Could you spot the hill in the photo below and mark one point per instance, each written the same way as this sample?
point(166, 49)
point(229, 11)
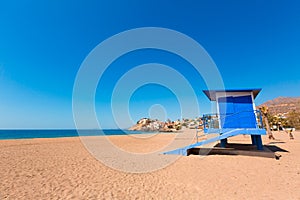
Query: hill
point(283, 105)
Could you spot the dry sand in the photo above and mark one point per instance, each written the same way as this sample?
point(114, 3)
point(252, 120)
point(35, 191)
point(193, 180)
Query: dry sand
point(64, 169)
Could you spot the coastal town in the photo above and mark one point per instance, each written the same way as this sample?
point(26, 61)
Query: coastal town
point(147, 124)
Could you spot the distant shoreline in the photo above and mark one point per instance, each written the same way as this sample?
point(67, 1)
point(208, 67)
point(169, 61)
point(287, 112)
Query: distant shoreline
point(11, 134)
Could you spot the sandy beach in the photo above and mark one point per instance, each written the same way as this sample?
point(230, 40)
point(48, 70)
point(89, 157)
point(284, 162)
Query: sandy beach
point(63, 168)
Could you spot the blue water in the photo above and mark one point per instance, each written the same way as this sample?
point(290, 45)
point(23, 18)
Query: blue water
point(26, 134)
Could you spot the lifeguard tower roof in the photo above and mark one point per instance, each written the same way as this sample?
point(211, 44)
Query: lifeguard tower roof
point(211, 94)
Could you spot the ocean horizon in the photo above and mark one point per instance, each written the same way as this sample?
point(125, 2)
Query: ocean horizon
point(10, 134)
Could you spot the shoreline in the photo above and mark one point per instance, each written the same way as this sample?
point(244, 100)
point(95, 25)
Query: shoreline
point(118, 132)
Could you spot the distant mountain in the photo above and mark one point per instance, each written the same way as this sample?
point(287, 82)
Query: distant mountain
point(283, 105)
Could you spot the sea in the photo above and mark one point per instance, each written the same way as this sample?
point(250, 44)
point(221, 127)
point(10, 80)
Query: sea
point(29, 134)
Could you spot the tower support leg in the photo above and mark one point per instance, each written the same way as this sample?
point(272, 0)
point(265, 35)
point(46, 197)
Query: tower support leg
point(259, 144)
point(224, 143)
point(256, 140)
point(253, 139)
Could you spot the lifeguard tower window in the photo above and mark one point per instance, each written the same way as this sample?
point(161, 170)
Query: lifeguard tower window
point(236, 112)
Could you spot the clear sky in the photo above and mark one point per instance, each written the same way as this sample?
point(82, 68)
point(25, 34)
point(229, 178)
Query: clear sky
point(255, 44)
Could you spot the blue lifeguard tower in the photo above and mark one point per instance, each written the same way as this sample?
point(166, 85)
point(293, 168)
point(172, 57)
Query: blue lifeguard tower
point(236, 115)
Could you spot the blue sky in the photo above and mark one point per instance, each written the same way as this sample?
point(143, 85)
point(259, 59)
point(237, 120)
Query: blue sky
point(255, 44)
